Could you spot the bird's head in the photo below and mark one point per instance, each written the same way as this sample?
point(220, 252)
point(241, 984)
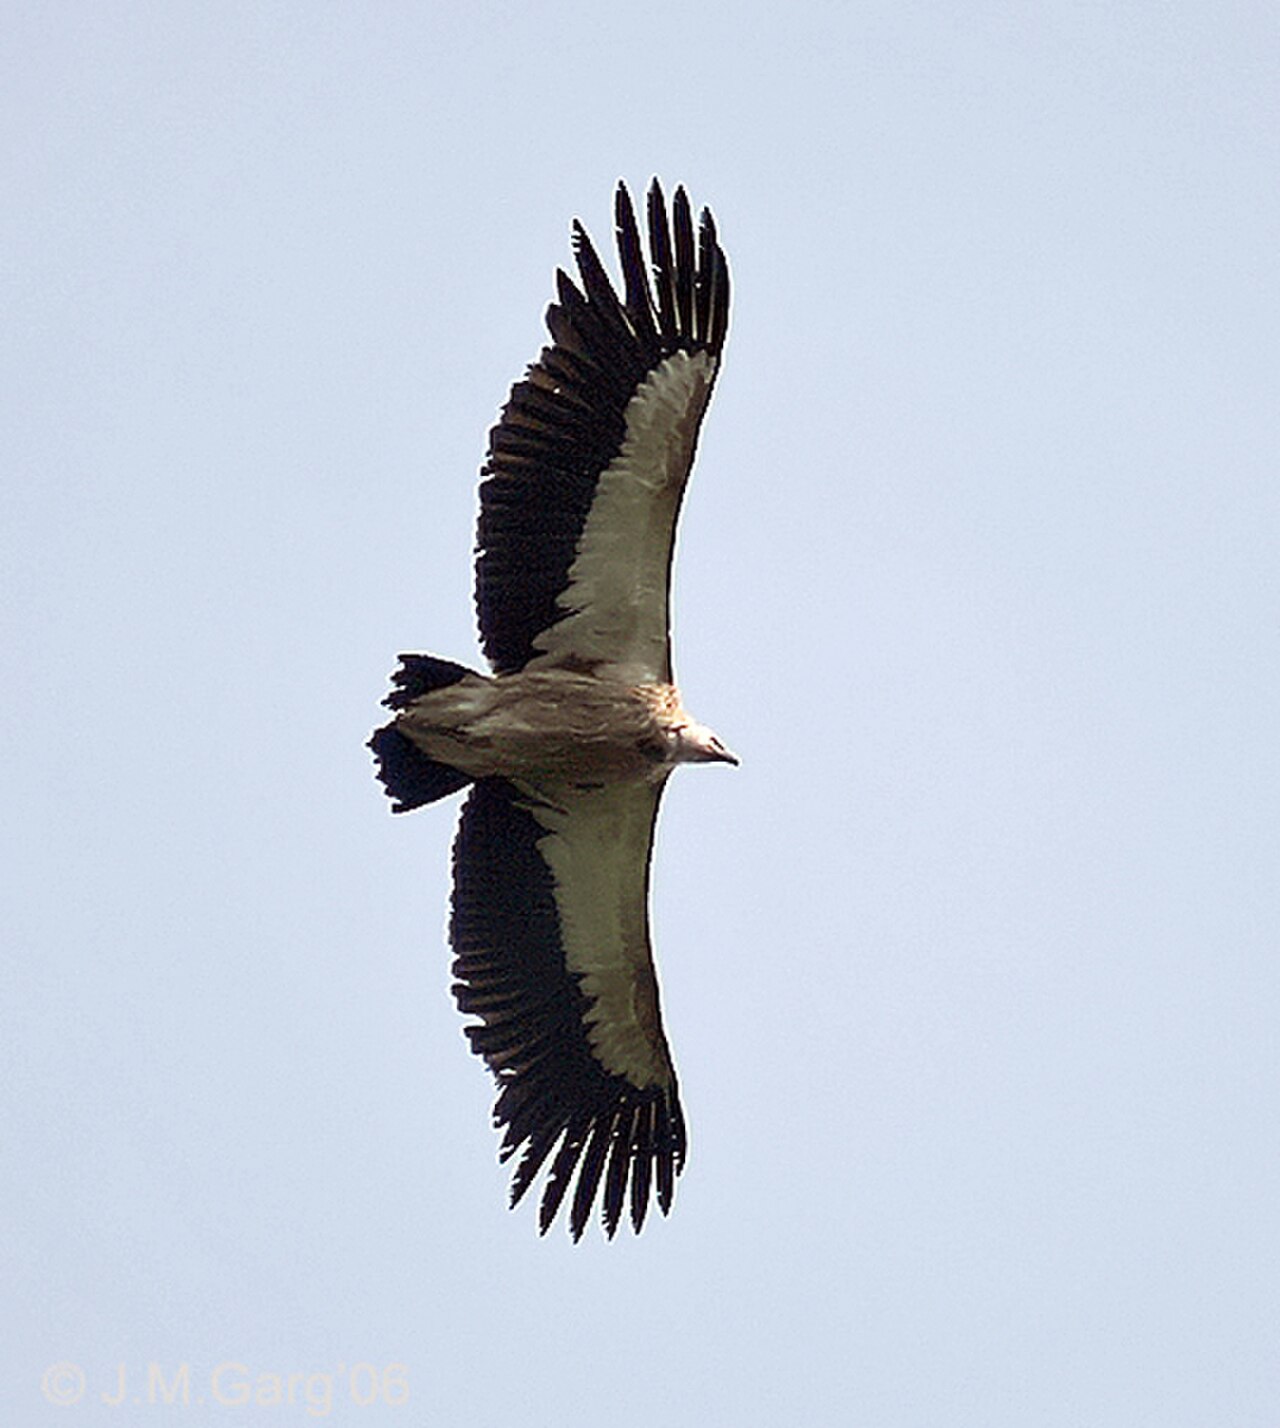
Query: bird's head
point(696, 744)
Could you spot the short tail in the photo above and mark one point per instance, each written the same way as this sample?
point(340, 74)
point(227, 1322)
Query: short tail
point(410, 778)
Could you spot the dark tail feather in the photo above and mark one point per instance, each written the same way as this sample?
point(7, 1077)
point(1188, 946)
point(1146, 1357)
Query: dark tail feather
point(409, 776)
point(420, 674)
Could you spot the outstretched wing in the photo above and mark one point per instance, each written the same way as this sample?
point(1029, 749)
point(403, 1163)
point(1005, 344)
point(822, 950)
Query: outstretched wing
point(550, 927)
point(588, 463)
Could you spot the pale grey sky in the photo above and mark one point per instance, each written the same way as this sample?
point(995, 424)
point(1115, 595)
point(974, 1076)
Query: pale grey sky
point(971, 968)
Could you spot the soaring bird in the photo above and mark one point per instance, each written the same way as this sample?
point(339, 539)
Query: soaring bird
point(568, 745)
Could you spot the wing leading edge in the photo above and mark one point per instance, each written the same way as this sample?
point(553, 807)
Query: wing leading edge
point(588, 463)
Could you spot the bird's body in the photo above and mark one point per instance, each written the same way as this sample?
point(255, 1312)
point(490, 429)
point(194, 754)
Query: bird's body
point(552, 727)
point(568, 745)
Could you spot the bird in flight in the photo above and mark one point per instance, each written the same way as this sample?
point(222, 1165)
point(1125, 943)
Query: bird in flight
point(568, 745)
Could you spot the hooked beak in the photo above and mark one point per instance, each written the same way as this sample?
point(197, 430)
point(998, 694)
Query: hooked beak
point(698, 745)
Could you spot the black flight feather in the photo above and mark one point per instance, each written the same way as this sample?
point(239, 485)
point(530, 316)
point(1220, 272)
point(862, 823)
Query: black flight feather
point(548, 450)
point(554, 1098)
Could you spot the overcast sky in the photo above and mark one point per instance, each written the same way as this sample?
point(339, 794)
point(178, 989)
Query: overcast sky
point(970, 970)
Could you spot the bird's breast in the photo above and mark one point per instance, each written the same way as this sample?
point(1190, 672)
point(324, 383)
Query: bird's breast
point(556, 726)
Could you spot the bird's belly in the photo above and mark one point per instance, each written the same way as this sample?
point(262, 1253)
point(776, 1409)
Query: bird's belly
point(552, 727)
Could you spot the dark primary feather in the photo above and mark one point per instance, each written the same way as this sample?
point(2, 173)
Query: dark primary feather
point(555, 1100)
point(563, 424)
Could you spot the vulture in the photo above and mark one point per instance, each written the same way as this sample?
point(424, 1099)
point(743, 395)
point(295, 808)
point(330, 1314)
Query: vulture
point(566, 747)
